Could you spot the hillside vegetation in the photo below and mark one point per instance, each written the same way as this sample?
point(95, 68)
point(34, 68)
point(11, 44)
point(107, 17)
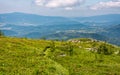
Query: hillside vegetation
point(21, 56)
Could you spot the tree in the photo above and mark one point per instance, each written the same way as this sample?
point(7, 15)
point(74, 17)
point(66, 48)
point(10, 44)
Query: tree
point(1, 33)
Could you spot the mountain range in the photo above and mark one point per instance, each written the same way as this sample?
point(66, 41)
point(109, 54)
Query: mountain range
point(101, 27)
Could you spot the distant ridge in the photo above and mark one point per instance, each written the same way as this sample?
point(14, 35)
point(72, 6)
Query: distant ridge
point(100, 18)
point(22, 18)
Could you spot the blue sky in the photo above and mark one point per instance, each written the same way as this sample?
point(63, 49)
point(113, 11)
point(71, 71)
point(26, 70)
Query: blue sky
point(69, 8)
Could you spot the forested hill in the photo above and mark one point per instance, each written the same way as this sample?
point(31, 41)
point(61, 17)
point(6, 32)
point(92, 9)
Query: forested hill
point(21, 56)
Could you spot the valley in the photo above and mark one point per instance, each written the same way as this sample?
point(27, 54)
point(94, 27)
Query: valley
point(103, 27)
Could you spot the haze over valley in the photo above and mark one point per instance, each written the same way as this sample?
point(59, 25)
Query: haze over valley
point(102, 27)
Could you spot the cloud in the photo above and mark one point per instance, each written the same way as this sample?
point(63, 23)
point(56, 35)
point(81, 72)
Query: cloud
point(104, 5)
point(68, 8)
point(66, 4)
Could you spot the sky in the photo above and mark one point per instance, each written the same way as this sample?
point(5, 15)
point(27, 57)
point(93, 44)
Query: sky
point(68, 8)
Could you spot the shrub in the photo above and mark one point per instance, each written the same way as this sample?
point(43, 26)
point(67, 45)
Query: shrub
point(104, 49)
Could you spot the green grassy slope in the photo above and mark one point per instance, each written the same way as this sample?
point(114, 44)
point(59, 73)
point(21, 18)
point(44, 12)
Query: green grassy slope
point(20, 56)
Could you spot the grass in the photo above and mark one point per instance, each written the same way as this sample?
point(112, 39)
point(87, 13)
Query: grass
point(21, 56)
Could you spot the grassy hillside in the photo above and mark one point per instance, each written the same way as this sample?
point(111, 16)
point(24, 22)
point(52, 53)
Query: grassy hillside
point(21, 56)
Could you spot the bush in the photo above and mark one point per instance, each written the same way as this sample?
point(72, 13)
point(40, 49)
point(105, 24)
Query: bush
point(104, 49)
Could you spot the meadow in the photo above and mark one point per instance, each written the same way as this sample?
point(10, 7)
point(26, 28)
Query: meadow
point(22, 56)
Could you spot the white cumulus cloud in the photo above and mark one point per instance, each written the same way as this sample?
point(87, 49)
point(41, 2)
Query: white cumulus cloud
point(109, 4)
point(67, 4)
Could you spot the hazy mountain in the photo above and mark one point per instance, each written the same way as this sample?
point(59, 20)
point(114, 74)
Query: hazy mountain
point(107, 19)
point(32, 19)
